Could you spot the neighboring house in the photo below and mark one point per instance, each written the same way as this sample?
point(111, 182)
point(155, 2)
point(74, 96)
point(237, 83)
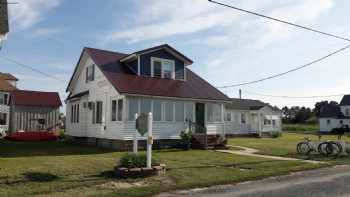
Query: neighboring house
point(251, 117)
point(108, 88)
point(34, 111)
point(332, 116)
point(7, 85)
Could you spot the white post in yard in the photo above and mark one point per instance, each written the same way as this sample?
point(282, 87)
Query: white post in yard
point(135, 136)
point(149, 140)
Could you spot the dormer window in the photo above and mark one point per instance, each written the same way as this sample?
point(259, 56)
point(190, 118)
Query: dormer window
point(163, 68)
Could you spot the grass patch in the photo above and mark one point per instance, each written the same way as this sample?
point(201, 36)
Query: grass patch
point(286, 146)
point(301, 128)
point(60, 169)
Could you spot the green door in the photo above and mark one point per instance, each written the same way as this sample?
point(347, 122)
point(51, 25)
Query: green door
point(200, 114)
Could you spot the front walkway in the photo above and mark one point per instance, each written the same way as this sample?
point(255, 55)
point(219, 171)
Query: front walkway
point(254, 153)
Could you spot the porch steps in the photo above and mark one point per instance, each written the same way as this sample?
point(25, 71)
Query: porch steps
point(202, 141)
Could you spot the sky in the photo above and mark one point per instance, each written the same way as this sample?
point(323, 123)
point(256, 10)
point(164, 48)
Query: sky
point(227, 47)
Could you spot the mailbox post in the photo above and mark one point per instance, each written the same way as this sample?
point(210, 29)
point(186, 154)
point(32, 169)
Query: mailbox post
point(149, 140)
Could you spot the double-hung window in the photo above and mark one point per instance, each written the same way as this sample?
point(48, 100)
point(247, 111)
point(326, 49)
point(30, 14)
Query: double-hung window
point(90, 73)
point(99, 111)
point(163, 68)
point(3, 98)
point(3, 119)
point(117, 110)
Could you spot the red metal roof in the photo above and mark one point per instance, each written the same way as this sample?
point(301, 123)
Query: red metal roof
point(7, 76)
point(126, 82)
point(35, 98)
point(6, 86)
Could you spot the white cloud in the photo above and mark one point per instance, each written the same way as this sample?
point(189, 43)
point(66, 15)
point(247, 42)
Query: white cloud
point(27, 13)
point(303, 12)
point(174, 17)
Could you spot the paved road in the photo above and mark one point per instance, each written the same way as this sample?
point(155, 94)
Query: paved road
point(327, 182)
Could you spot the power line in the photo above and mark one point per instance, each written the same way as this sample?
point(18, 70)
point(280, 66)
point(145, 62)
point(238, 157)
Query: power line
point(32, 69)
point(289, 71)
point(280, 21)
point(295, 97)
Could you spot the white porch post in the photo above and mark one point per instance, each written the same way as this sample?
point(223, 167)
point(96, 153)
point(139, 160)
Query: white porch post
point(259, 127)
point(223, 120)
point(149, 141)
point(135, 137)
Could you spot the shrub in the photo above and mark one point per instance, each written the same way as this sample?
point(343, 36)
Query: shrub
point(135, 160)
point(186, 138)
point(276, 134)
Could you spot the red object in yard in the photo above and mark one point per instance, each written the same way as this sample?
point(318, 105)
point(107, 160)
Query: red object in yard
point(32, 136)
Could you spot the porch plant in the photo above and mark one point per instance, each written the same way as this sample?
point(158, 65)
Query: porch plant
point(186, 137)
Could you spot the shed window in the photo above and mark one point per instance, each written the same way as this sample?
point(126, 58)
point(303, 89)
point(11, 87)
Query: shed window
point(3, 119)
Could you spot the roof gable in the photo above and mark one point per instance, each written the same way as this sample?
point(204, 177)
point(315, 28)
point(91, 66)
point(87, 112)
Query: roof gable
point(125, 81)
point(345, 100)
point(35, 98)
point(165, 47)
point(6, 86)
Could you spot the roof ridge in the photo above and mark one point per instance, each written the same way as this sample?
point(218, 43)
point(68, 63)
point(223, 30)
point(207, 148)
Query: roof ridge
point(104, 50)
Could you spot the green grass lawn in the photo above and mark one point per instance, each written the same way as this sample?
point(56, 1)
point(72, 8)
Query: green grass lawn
point(300, 128)
point(60, 169)
point(286, 146)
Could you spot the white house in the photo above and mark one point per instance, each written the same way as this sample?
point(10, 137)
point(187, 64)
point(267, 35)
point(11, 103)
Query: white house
point(333, 117)
point(108, 88)
point(251, 117)
point(8, 84)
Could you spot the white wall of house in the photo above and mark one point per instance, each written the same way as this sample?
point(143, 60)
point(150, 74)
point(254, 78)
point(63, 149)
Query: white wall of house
point(235, 125)
point(345, 110)
point(328, 124)
point(263, 120)
point(4, 109)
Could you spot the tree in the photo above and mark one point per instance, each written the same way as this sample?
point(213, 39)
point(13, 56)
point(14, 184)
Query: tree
point(319, 105)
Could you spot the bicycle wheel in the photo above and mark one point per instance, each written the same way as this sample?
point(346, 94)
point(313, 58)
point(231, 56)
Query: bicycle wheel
point(334, 148)
point(323, 149)
point(303, 148)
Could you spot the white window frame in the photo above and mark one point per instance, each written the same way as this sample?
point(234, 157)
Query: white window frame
point(117, 99)
point(92, 69)
point(3, 98)
point(162, 60)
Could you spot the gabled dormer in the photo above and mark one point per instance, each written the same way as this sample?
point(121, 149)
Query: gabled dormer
point(159, 62)
point(345, 105)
